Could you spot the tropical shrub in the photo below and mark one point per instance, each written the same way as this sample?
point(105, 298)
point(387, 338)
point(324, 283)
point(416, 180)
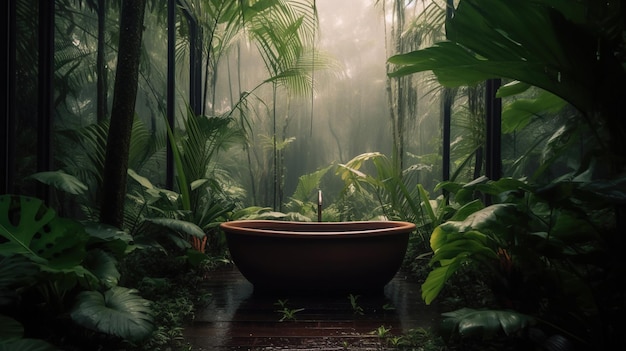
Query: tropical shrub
point(551, 248)
point(544, 251)
point(372, 178)
point(59, 280)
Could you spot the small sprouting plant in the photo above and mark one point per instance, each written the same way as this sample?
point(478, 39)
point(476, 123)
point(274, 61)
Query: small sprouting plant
point(382, 332)
point(395, 341)
point(356, 308)
point(287, 312)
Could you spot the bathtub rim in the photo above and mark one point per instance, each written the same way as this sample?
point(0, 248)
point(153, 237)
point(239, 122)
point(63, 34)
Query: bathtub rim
point(294, 229)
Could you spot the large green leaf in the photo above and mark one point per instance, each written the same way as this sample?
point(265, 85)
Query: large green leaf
point(119, 311)
point(466, 210)
point(103, 266)
point(462, 241)
point(115, 240)
point(440, 238)
point(29, 228)
point(437, 278)
point(308, 183)
point(518, 114)
point(494, 220)
point(145, 182)
point(21, 219)
point(485, 323)
point(462, 247)
point(529, 41)
point(66, 279)
point(61, 181)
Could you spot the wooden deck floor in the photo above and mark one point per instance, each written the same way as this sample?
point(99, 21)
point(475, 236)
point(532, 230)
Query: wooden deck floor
point(239, 319)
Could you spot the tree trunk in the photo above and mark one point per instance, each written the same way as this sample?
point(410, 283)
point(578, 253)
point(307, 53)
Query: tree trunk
point(122, 113)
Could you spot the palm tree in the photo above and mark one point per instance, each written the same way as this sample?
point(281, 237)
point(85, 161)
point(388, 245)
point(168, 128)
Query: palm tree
point(283, 39)
point(283, 32)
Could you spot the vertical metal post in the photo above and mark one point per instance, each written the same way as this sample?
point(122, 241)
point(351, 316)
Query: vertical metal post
point(446, 113)
point(171, 88)
point(7, 126)
point(195, 63)
point(446, 123)
point(193, 40)
point(45, 93)
point(494, 130)
point(195, 66)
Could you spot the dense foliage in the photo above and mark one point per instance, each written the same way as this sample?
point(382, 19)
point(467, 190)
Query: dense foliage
point(548, 247)
point(530, 261)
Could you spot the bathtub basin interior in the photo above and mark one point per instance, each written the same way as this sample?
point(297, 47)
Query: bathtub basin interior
point(354, 257)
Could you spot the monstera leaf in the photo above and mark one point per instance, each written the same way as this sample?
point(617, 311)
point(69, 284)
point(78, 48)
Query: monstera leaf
point(29, 228)
point(118, 311)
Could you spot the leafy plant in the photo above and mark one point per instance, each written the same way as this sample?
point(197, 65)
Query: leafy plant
point(202, 200)
point(304, 199)
point(177, 288)
point(118, 311)
point(544, 248)
point(81, 158)
point(288, 314)
point(532, 45)
point(354, 302)
point(387, 185)
point(53, 266)
point(382, 332)
point(533, 247)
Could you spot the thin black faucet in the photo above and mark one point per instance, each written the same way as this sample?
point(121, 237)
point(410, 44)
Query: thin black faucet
point(319, 205)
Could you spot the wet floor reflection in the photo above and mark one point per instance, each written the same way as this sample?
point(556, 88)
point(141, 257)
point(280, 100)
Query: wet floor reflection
point(240, 319)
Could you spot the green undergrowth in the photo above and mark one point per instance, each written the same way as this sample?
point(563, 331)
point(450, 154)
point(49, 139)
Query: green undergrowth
point(177, 290)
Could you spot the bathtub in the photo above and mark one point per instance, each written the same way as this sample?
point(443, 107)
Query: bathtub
point(319, 257)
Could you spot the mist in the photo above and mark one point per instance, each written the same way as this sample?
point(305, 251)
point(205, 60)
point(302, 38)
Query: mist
point(347, 113)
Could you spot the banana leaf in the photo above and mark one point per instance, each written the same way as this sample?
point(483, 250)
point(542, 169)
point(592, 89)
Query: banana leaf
point(535, 42)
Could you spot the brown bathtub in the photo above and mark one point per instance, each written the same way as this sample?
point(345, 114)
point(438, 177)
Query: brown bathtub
point(352, 257)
